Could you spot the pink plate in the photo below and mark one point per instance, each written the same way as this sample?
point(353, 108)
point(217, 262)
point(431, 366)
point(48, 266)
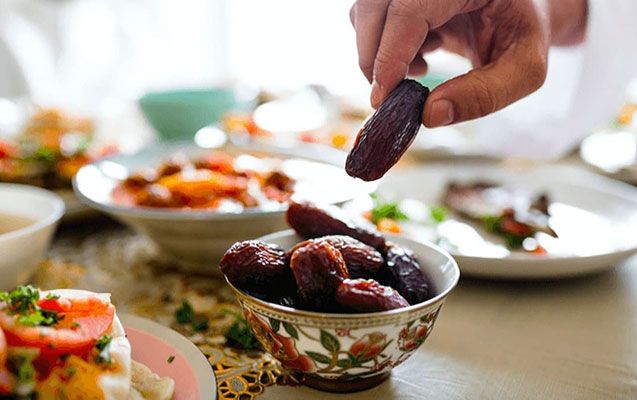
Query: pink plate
point(154, 345)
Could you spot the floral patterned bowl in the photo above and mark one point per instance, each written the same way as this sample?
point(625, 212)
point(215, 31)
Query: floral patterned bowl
point(349, 352)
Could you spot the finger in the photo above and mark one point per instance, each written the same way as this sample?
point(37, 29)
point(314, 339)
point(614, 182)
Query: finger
point(519, 71)
point(407, 24)
point(368, 18)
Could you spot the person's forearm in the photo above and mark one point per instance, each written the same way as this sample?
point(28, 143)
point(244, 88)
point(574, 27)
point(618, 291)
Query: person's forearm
point(568, 21)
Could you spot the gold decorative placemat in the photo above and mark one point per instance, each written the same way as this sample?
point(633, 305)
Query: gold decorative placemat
point(144, 283)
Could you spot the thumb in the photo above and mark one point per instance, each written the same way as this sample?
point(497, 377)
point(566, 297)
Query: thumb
point(518, 72)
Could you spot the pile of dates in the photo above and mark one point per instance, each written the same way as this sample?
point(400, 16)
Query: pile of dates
point(343, 266)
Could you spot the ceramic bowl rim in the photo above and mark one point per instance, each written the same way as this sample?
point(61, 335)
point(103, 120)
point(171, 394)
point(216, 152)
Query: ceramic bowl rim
point(294, 312)
point(54, 216)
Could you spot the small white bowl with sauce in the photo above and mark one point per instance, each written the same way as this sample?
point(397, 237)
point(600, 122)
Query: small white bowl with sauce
point(28, 219)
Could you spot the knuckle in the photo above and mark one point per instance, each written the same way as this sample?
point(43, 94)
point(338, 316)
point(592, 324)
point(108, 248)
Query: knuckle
point(537, 71)
point(406, 8)
point(485, 100)
point(369, 6)
point(387, 62)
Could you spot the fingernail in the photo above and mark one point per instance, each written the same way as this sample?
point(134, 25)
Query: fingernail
point(376, 94)
point(441, 113)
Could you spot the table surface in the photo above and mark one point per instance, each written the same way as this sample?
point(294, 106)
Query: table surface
point(571, 339)
point(574, 339)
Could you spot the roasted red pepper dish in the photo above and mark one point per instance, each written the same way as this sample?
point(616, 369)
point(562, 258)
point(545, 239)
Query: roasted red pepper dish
point(50, 150)
point(218, 181)
point(500, 211)
point(510, 216)
point(342, 267)
point(68, 344)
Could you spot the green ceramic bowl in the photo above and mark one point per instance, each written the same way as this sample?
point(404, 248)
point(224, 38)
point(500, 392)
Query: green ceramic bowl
point(179, 114)
point(432, 80)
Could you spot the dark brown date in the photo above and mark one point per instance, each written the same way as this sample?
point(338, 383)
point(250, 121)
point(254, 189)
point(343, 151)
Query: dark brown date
point(362, 261)
point(311, 222)
point(403, 273)
point(367, 295)
point(253, 263)
point(388, 133)
point(318, 270)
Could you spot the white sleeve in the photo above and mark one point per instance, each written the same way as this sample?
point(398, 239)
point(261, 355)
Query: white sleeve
point(585, 88)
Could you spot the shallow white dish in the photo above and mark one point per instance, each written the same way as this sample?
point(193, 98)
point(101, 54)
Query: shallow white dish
point(154, 345)
point(22, 249)
point(198, 238)
point(609, 205)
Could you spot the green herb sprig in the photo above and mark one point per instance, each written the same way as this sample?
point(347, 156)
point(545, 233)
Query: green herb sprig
point(23, 302)
point(185, 315)
point(103, 346)
point(386, 209)
point(240, 335)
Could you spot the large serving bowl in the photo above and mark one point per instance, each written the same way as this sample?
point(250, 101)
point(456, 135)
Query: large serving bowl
point(197, 239)
point(23, 248)
point(349, 352)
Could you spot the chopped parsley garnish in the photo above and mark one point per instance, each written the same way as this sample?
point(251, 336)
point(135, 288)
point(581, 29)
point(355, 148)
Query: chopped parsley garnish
point(23, 302)
point(240, 335)
point(492, 224)
point(70, 371)
point(52, 296)
point(386, 209)
point(171, 359)
point(44, 154)
point(103, 346)
point(438, 213)
point(185, 315)
point(21, 365)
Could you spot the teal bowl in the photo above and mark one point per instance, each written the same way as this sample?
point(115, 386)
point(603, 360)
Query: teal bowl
point(432, 80)
point(179, 114)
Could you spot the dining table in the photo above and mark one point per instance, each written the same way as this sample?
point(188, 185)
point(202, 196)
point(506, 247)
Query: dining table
point(542, 339)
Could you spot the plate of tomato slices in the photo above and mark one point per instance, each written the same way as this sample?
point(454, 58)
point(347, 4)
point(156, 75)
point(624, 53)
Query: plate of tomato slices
point(71, 344)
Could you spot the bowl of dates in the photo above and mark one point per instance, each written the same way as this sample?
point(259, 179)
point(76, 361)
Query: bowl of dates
point(194, 202)
point(335, 301)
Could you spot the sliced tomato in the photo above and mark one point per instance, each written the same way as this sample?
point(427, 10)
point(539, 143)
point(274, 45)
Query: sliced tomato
point(83, 321)
point(7, 381)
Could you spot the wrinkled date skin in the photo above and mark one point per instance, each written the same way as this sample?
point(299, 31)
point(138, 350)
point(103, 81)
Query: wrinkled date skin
point(388, 133)
point(367, 295)
point(311, 222)
point(318, 270)
point(403, 273)
point(362, 261)
point(252, 263)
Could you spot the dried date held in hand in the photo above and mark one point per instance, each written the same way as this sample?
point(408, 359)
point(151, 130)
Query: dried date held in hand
point(362, 261)
point(310, 221)
point(367, 295)
point(388, 133)
point(318, 270)
point(252, 263)
point(404, 274)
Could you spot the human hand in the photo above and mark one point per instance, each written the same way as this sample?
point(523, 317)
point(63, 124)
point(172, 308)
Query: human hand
point(506, 40)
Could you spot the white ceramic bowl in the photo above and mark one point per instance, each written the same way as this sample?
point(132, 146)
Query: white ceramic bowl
point(197, 239)
point(22, 249)
point(350, 352)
